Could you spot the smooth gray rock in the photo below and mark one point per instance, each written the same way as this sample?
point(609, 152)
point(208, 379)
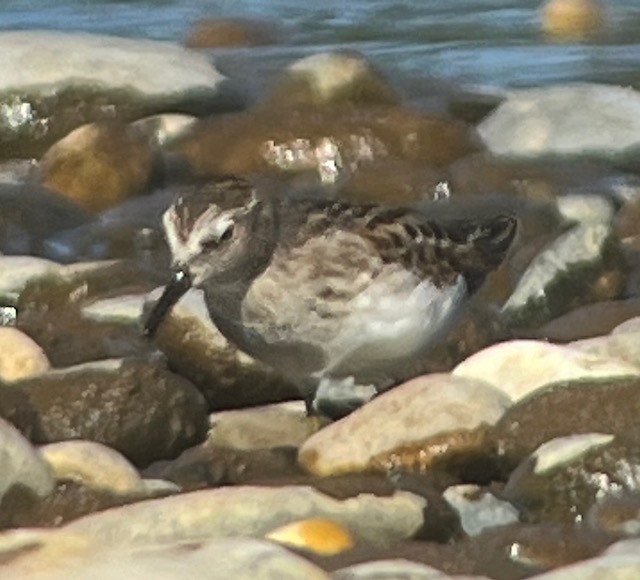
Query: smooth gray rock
point(251, 511)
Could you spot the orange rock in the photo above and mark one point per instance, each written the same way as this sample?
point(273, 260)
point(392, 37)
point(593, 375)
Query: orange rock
point(214, 33)
point(572, 19)
point(99, 165)
point(316, 535)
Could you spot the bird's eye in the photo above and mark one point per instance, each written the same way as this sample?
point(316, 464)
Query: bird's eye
point(209, 244)
point(226, 235)
point(212, 243)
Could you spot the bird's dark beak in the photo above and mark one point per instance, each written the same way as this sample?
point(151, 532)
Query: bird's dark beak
point(177, 287)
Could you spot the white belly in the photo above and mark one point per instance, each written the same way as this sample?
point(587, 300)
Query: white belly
point(390, 322)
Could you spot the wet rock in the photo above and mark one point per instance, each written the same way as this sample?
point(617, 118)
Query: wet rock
point(575, 269)
point(608, 406)
point(521, 367)
point(216, 33)
point(134, 406)
point(30, 214)
point(25, 475)
point(616, 514)
point(226, 376)
point(479, 509)
point(279, 425)
point(543, 122)
point(392, 182)
point(93, 465)
point(209, 465)
point(50, 311)
point(129, 231)
point(20, 356)
point(45, 94)
point(513, 551)
point(589, 321)
point(610, 566)
point(522, 550)
point(67, 502)
point(316, 535)
point(429, 407)
point(99, 165)
point(331, 78)
point(331, 143)
point(565, 477)
point(251, 511)
point(572, 20)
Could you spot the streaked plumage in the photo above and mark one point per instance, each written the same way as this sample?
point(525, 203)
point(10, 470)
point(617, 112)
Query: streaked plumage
point(324, 289)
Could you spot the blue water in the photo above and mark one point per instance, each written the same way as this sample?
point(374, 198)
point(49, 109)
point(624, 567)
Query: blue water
point(489, 43)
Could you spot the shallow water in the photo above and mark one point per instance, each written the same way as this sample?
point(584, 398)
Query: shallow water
point(488, 43)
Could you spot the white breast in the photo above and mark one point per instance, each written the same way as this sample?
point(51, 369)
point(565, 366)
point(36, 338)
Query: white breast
point(393, 319)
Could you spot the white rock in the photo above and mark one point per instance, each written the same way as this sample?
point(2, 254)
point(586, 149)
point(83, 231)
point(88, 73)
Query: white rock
point(479, 510)
point(125, 309)
point(564, 450)
point(585, 208)
point(421, 408)
point(519, 367)
point(20, 356)
point(44, 60)
point(92, 464)
point(250, 511)
point(576, 119)
point(568, 265)
point(21, 464)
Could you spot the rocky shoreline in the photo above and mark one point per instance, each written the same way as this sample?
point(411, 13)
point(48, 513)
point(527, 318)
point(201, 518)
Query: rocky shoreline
point(512, 454)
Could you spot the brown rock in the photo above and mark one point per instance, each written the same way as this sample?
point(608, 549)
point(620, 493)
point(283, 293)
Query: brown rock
point(568, 476)
point(99, 165)
point(49, 310)
point(589, 321)
point(209, 465)
point(216, 33)
point(331, 78)
point(514, 551)
point(29, 214)
point(67, 502)
point(569, 408)
point(440, 407)
point(616, 514)
point(134, 406)
point(328, 142)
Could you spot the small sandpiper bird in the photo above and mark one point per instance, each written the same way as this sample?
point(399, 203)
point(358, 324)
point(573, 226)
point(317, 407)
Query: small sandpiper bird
point(336, 296)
